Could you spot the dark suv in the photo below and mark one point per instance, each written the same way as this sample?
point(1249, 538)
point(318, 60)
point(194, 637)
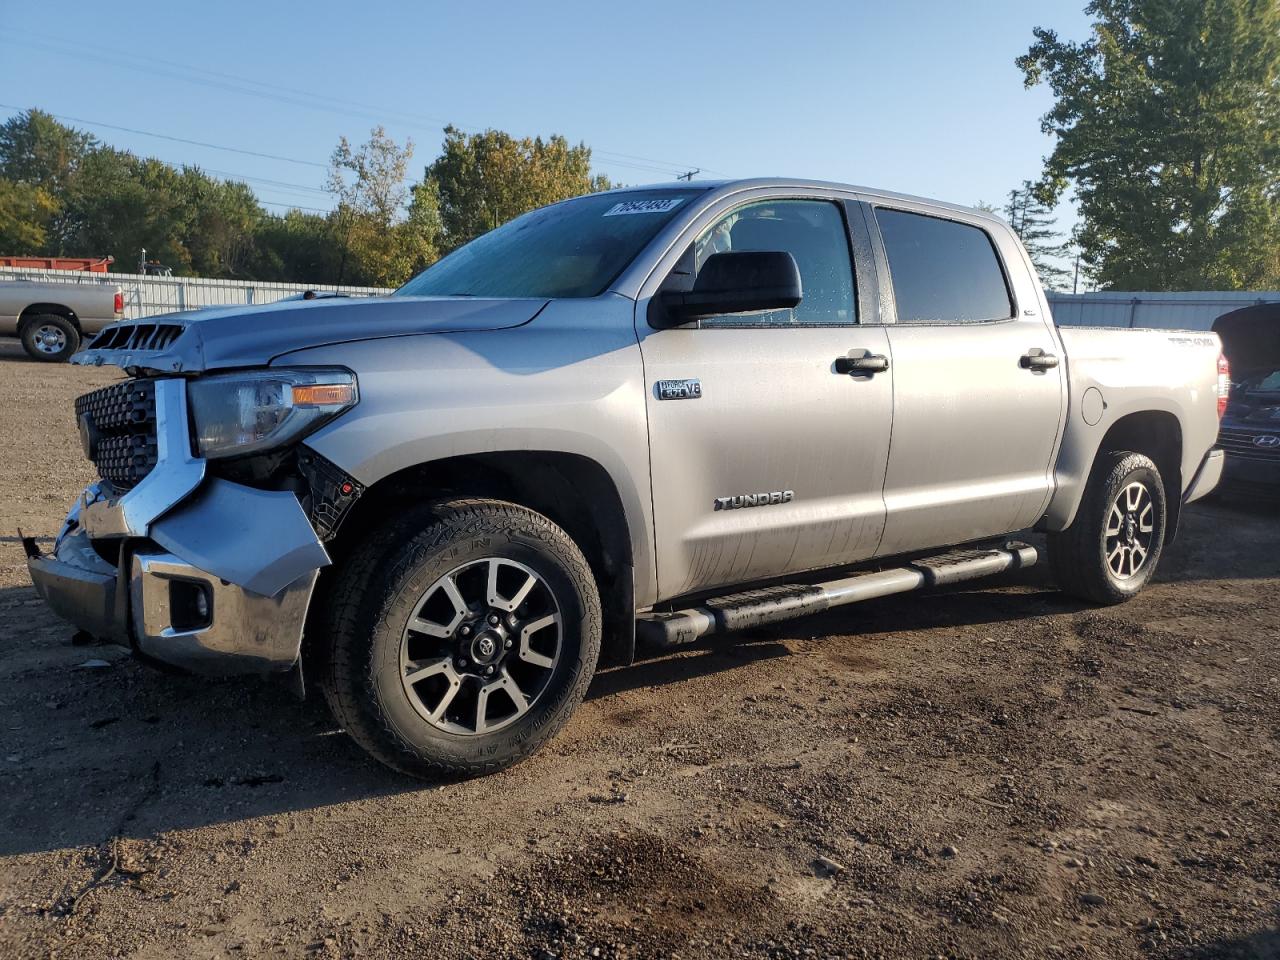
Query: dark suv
point(1250, 432)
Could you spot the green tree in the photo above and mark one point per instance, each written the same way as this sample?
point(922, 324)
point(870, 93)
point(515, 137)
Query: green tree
point(419, 242)
point(121, 204)
point(1167, 126)
point(35, 148)
point(64, 192)
point(369, 221)
point(1032, 220)
point(38, 151)
point(221, 223)
point(25, 212)
point(296, 248)
point(485, 179)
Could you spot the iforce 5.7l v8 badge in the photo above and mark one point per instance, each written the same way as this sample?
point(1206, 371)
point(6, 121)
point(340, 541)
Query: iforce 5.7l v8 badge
point(679, 389)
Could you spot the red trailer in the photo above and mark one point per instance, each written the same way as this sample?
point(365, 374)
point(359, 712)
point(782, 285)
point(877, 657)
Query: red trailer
point(91, 264)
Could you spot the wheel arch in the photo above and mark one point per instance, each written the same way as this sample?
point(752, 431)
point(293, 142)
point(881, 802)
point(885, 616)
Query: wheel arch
point(1156, 434)
point(574, 491)
point(31, 311)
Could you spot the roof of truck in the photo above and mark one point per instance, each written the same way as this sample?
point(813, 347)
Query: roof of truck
point(731, 186)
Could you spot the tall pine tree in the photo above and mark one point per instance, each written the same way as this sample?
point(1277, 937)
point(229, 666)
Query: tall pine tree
point(1032, 220)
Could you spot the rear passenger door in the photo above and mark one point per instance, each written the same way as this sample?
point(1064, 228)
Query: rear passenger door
point(978, 399)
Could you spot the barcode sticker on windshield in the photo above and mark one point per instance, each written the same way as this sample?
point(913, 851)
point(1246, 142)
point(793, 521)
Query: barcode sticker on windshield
point(627, 207)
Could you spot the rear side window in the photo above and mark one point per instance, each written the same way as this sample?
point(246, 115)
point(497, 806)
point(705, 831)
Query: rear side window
point(943, 271)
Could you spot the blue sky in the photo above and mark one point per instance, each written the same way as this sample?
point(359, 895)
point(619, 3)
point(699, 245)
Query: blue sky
point(921, 97)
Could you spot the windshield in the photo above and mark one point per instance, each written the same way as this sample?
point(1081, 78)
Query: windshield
point(571, 249)
point(1258, 380)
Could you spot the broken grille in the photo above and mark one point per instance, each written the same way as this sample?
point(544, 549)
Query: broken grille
point(118, 431)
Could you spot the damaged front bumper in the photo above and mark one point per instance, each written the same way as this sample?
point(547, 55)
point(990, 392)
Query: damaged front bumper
point(192, 570)
point(170, 610)
point(221, 586)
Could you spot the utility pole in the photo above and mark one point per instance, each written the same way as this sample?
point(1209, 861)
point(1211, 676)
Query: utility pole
point(688, 174)
point(1075, 283)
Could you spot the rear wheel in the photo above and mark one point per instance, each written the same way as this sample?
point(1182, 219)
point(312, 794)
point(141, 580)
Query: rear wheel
point(1111, 549)
point(50, 337)
point(461, 638)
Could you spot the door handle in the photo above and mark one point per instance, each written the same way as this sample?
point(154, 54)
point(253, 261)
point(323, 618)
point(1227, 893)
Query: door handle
point(1037, 359)
point(867, 366)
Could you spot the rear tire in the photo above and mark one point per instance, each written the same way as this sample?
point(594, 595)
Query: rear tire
point(420, 599)
point(50, 338)
point(1111, 550)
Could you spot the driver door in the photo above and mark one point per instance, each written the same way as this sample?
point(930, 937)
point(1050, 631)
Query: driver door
point(774, 463)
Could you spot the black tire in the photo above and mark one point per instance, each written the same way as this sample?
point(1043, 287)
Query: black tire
point(389, 581)
point(50, 338)
point(1084, 558)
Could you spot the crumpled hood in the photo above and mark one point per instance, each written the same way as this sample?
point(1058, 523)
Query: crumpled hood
point(220, 338)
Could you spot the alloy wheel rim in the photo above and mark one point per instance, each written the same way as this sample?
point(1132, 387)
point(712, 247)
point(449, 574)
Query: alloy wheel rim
point(49, 339)
point(481, 646)
point(1130, 531)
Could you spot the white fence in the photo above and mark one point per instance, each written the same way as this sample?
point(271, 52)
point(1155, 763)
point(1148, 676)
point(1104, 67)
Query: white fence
point(146, 296)
point(1193, 310)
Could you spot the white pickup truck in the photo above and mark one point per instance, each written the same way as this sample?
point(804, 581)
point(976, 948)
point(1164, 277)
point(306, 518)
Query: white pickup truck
point(51, 318)
point(662, 412)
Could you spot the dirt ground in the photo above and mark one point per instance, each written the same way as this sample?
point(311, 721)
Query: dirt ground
point(990, 771)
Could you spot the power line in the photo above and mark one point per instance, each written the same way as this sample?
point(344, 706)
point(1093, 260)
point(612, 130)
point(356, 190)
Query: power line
point(212, 146)
point(163, 136)
point(291, 206)
point(231, 175)
point(291, 95)
point(225, 174)
point(228, 175)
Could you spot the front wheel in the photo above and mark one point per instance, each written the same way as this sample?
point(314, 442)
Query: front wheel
point(50, 337)
point(461, 637)
point(1111, 549)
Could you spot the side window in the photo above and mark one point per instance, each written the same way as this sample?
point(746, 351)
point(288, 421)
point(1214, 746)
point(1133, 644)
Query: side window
point(812, 231)
point(943, 271)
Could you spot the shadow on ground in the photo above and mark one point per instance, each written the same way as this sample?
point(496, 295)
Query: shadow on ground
point(1263, 945)
point(89, 752)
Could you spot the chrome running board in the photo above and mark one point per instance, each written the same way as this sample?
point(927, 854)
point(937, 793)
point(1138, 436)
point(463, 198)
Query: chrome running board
point(741, 611)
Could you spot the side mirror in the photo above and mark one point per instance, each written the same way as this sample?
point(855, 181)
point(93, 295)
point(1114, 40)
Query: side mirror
point(743, 282)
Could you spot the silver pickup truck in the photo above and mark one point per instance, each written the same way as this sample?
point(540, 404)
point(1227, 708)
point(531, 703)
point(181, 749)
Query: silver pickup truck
point(51, 318)
point(655, 413)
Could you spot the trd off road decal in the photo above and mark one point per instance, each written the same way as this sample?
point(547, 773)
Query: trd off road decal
point(627, 207)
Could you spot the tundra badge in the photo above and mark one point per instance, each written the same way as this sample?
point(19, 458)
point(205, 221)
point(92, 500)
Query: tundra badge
point(755, 500)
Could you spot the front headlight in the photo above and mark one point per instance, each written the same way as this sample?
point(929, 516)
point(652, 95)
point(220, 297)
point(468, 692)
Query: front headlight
point(241, 413)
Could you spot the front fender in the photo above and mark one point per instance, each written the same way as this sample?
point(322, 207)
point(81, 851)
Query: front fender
point(570, 382)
